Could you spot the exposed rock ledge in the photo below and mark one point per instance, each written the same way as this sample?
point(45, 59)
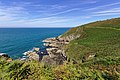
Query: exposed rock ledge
point(54, 48)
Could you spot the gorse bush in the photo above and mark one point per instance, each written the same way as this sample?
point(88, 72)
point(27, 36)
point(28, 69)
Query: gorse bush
point(75, 72)
point(35, 71)
point(15, 70)
point(39, 71)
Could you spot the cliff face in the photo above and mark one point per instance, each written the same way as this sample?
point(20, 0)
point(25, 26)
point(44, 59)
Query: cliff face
point(73, 33)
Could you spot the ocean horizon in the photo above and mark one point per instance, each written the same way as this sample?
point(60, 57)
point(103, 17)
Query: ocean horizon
point(16, 41)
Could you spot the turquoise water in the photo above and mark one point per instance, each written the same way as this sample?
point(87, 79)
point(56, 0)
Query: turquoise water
point(15, 41)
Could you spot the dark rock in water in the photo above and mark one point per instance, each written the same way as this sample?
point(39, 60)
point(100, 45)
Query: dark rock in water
point(5, 57)
point(34, 54)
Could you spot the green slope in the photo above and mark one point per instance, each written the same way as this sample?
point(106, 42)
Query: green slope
point(101, 38)
point(99, 45)
point(110, 23)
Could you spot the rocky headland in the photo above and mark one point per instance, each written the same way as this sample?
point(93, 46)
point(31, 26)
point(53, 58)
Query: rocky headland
point(87, 52)
point(54, 53)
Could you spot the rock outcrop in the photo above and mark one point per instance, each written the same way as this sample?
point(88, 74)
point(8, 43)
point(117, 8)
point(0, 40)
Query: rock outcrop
point(5, 57)
point(54, 48)
point(33, 54)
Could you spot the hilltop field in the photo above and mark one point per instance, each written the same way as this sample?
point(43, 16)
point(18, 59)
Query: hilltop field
point(92, 54)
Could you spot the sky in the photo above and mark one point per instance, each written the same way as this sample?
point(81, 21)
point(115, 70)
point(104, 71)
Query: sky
point(55, 13)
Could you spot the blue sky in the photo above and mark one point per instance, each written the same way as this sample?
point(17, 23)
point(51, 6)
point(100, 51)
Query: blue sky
point(55, 13)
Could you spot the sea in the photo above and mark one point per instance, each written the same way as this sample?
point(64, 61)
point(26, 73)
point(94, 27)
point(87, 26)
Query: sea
point(16, 41)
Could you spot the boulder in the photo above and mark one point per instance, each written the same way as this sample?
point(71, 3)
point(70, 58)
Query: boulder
point(37, 49)
point(34, 56)
point(4, 55)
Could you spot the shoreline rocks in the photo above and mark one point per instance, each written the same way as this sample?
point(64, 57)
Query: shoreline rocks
point(5, 57)
point(34, 54)
point(54, 48)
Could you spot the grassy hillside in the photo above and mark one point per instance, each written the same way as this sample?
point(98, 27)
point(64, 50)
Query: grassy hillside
point(99, 46)
point(110, 23)
point(99, 42)
point(96, 51)
point(101, 38)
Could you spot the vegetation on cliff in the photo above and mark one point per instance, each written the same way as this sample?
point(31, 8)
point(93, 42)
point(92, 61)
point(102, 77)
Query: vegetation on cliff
point(98, 46)
point(93, 54)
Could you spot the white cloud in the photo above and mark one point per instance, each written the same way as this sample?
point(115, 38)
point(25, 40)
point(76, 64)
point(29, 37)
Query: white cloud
point(105, 14)
point(18, 16)
point(9, 13)
point(44, 20)
point(21, 15)
point(103, 6)
point(113, 10)
point(51, 7)
point(89, 1)
point(66, 11)
point(41, 22)
point(108, 12)
point(13, 17)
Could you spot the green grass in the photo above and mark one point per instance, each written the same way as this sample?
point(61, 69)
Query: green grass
point(110, 23)
point(101, 39)
point(101, 42)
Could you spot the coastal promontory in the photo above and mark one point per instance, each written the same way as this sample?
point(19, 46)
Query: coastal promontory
point(87, 52)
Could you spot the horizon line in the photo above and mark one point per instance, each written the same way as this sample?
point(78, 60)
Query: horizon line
point(36, 27)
